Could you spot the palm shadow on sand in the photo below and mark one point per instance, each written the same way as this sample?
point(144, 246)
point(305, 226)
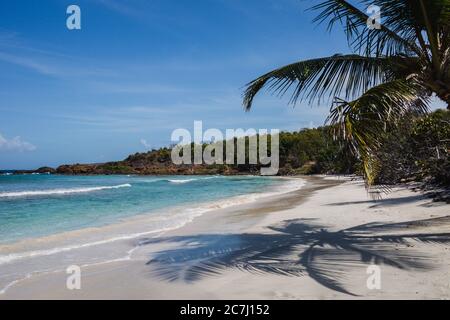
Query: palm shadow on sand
point(296, 248)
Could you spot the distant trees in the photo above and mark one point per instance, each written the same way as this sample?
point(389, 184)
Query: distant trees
point(417, 150)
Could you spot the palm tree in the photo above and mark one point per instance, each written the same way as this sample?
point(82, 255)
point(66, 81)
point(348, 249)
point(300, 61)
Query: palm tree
point(394, 69)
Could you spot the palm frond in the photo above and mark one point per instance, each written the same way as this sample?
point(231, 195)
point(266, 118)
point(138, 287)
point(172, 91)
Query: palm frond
point(363, 122)
point(443, 17)
point(350, 75)
point(383, 41)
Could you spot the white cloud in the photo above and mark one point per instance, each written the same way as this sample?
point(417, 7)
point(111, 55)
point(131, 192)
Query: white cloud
point(44, 67)
point(137, 88)
point(15, 144)
point(27, 63)
point(145, 144)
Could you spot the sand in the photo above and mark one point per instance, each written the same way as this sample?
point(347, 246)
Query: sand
point(328, 240)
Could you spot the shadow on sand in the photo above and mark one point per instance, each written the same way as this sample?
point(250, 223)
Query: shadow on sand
point(388, 202)
point(296, 248)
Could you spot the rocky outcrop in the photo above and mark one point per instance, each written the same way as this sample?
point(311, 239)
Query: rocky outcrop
point(151, 163)
point(45, 170)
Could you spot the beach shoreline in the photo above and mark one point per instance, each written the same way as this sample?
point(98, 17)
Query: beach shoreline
point(323, 203)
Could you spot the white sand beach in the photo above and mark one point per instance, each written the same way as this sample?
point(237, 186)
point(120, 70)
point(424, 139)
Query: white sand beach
point(313, 243)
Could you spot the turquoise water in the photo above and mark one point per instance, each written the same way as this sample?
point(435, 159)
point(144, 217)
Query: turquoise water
point(40, 205)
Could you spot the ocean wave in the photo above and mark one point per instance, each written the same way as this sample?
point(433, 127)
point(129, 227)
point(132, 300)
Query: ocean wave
point(178, 181)
point(190, 180)
point(174, 181)
point(31, 193)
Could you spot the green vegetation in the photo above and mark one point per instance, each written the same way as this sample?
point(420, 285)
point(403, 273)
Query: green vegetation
point(391, 75)
point(303, 152)
point(313, 151)
point(417, 150)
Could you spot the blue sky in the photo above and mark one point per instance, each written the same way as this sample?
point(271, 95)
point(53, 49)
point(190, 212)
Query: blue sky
point(138, 69)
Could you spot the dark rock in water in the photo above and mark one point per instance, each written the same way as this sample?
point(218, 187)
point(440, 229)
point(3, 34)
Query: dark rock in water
point(22, 171)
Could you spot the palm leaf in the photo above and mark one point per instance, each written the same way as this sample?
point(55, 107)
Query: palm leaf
point(362, 39)
point(348, 74)
point(363, 122)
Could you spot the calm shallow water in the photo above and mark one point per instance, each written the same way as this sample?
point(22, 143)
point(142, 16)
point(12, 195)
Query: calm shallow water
point(40, 205)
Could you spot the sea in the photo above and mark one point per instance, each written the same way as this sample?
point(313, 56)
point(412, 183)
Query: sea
point(50, 221)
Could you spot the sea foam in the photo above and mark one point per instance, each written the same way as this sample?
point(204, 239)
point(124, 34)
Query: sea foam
point(31, 193)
